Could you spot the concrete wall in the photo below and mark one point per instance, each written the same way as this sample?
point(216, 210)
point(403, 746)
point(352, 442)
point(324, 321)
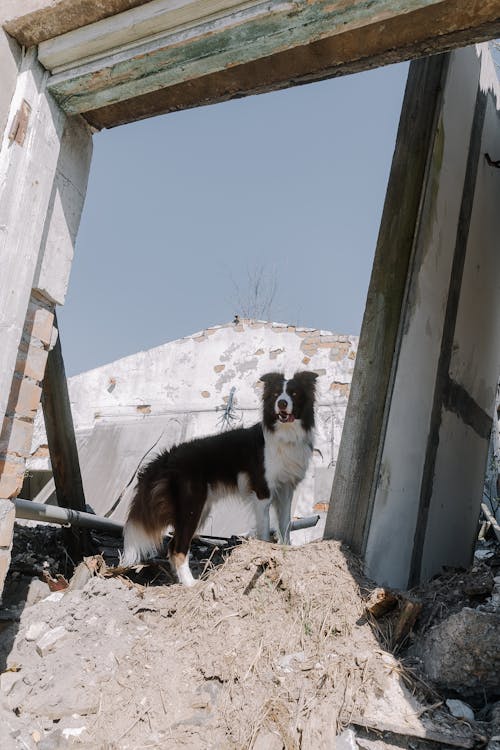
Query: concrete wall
point(44, 164)
point(10, 57)
point(474, 366)
point(425, 468)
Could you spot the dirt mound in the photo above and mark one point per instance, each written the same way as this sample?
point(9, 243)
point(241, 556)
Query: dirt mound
point(272, 647)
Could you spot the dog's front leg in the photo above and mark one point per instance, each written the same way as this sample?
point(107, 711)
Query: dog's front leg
point(263, 521)
point(283, 503)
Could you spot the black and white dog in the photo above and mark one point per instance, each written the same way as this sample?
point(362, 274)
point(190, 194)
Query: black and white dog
point(266, 461)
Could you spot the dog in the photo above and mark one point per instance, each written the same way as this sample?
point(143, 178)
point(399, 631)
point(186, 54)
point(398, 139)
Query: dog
point(264, 462)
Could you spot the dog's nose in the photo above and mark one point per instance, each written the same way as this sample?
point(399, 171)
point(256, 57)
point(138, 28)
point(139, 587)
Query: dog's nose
point(282, 404)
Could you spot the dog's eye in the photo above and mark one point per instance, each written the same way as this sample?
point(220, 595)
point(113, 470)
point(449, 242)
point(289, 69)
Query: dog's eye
point(294, 393)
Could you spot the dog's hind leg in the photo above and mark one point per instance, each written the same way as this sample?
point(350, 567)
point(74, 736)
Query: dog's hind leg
point(149, 514)
point(188, 509)
point(180, 565)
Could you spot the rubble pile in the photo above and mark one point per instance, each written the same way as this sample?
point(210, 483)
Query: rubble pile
point(274, 648)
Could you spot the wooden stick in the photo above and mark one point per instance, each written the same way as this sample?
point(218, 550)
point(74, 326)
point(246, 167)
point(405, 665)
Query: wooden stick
point(491, 518)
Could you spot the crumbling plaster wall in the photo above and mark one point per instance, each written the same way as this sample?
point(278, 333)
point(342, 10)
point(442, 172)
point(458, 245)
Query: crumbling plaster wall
point(407, 490)
point(10, 57)
point(186, 384)
point(44, 163)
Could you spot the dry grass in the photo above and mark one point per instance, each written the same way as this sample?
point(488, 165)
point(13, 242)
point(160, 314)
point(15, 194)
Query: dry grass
point(291, 622)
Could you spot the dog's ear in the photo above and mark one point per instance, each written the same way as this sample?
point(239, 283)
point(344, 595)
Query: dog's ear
point(271, 377)
point(306, 376)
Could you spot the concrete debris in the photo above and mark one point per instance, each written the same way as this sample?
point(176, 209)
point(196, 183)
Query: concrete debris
point(35, 630)
point(55, 596)
point(461, 652)
point(80, 577)
point(346, 741)
point(460, 710)
point(72, 732)
point(8, 680)
point(48, 640)
point(495, 717)
point(484, 554)
point(320, 730)
point(37, 591)
point(288, 662)
point(274, 649)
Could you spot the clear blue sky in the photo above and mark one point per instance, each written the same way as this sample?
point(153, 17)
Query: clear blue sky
point(181, 208)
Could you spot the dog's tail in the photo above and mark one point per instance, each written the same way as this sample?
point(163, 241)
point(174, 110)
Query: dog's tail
point(150, 512)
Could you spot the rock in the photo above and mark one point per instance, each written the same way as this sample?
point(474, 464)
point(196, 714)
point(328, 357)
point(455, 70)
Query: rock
point(37, 591)
point(286, 662)
point(72, 732)
point(461, 653)
point(35, 630)
point(55, 596)
point(495, 717)
point(81, 577)
point(346, 741)
point(48, 641)
point(60, 700)
point(8, 680)
point(460, 710)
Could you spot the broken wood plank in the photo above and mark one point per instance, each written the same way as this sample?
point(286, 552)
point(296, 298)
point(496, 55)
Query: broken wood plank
point(62, 443)
point(492, 520)
point(408, 613)
point(381, 601)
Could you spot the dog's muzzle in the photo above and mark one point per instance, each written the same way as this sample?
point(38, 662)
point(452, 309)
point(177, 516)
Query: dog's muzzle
point(282, 411)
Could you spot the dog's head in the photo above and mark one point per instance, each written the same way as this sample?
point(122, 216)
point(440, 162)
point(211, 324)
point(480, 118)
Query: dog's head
point(288, 400)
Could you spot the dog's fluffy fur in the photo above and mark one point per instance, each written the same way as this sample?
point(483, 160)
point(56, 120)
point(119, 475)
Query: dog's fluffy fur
point(265, 461)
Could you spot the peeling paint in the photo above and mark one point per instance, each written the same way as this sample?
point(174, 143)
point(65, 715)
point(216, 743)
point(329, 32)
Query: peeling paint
point(214, 45)
point(190, 380)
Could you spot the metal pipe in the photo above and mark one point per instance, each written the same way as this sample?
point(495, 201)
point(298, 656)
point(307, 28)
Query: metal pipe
point(303, 523)
point(29, 510)
point(65, 516)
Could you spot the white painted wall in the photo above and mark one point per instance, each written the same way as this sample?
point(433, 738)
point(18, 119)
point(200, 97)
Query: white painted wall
point(42, 189)
point(26, 179)
point(10, 59)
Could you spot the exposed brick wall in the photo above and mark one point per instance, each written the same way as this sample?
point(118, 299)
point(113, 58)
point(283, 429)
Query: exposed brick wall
point(17, 427)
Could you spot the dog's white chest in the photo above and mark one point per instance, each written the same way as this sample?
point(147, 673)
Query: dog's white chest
point(287, 453)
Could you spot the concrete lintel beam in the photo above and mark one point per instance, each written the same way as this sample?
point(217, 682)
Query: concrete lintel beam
point(298, 40)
